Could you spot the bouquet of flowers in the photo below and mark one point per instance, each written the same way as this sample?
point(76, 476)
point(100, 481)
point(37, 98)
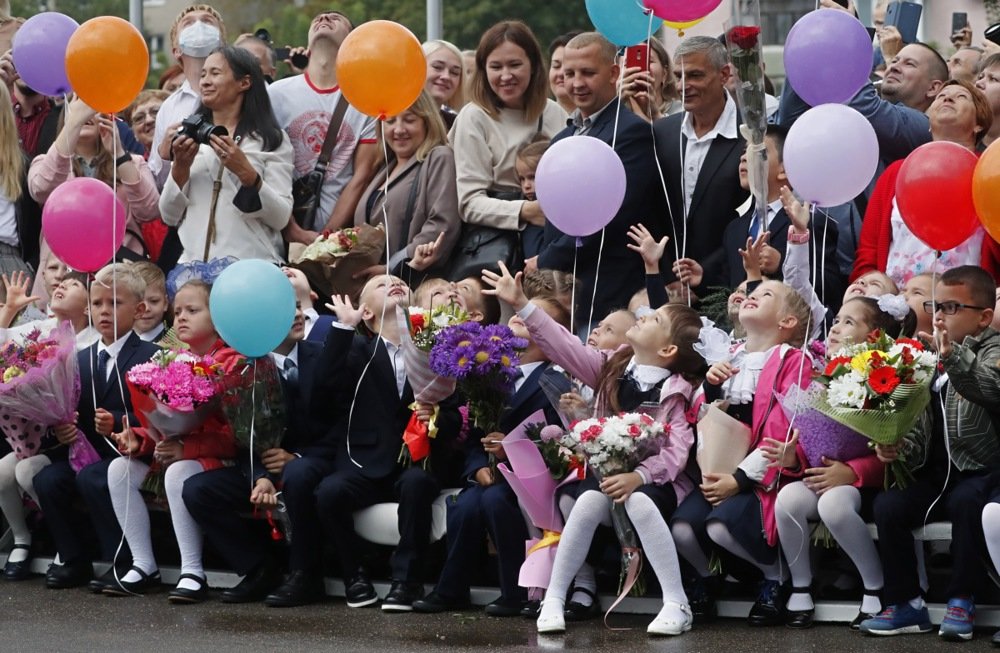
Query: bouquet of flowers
point(419, 328)
point(41, 388)
point(878, 389)
point(333, 259)
point(616, 445)
point(820, 436)
point(254, 405)
point(484, 362)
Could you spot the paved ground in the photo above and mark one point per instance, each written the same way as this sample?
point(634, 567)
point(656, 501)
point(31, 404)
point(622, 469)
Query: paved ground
point(33, 619)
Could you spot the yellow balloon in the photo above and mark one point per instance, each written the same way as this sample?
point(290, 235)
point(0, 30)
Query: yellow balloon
point(681, 26)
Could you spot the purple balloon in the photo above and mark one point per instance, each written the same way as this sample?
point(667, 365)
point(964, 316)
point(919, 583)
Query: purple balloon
point(39, 52)
point(828, 57)
point(830, 155)
point(580, 183)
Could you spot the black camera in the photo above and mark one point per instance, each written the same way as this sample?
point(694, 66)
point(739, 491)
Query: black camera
point(199, 128)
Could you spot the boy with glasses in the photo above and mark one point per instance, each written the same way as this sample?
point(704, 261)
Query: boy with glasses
point(950, 453)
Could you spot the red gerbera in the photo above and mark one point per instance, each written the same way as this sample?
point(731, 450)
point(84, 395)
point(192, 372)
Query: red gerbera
point(744, 37)
point(832, 366)
point(883, 380)
point(916, 344)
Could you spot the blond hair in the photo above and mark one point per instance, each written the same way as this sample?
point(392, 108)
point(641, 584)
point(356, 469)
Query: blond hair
point(430, 47)
point(11, 157)
point(190, 9)
point(151, 274)
point(798, 308)
point(425, 109)
point(124, 276)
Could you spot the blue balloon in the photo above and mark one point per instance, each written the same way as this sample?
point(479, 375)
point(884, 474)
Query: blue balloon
point(253, 307)
point(623, 22)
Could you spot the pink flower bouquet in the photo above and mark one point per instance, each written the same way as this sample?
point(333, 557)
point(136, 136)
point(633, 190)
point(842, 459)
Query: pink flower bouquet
point(41, 385)
point(174, 393)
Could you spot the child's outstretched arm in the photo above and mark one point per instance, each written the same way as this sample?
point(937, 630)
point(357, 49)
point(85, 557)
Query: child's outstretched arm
point(651, 252)
point(796, 268)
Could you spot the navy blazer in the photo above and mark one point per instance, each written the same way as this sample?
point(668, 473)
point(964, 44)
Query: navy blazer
point(320, 329)
point(717, 195)
point(528, 399)
point(305, 435)
point(621, 270)
point(134, 352)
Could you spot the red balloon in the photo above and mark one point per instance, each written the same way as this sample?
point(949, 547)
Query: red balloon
point(934, 194)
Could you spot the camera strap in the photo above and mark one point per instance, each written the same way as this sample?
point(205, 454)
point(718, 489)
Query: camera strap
point(331, 134)
point(216, 189)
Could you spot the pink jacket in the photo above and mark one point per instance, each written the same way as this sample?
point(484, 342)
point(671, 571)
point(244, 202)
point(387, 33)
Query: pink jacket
point(565, 349)
point(141, 199)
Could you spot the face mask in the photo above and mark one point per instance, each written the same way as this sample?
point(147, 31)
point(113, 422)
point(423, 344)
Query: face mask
point(198, 40)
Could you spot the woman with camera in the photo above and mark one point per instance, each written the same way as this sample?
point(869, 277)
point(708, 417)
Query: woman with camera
point(229, 192)
point(420, 203)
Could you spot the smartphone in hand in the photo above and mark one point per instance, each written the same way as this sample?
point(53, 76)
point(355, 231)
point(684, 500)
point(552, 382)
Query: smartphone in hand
point(637, 56)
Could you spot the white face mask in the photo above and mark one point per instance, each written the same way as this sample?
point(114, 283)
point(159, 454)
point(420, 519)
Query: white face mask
point(198, 40)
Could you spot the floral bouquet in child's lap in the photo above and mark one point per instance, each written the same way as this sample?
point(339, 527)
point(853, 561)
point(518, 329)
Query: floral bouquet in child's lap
point(254, 404)
point(617, 445)
point(41, 388)
point(418, 328)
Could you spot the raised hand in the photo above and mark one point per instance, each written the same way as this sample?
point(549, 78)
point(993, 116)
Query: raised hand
point(798, 212)
point(751, 256)
point(505, 287)
point(18, 285)
point(426, 254)
point(344, 310)
point(650, 249)
point(689, 271)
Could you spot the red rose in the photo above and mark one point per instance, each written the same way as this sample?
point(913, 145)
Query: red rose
point(874, 336)
point(832, 366)
point(907, 356)
point(744, 37)
point(877, 361)
point(883, 380)
point(634, 430)
point(417, 322)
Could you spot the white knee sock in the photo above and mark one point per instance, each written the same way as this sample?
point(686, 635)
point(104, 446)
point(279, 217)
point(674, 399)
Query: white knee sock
point(658, 546)
point(186, 529)
point(584, 578)
point(689, 548)
point(26, 470)
point(794, 507)
point(840, 509)
point(592, 509)
point(720, 534)
point(12, 506)
point(125, 475)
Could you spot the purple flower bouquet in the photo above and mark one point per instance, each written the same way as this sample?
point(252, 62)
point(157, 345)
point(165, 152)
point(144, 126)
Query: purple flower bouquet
point(819, 435)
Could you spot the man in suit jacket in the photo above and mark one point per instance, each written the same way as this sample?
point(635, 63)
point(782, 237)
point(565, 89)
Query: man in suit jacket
point(591, 73)
point(215, 498)
point(699, 151)
point(488, 504)
point(102, 367)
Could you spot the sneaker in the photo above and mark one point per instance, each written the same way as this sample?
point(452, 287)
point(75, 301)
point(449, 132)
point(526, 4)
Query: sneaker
point(360, 592)
point(957, 623)
point(996, 639)
point(401, 596)
point(899, 619)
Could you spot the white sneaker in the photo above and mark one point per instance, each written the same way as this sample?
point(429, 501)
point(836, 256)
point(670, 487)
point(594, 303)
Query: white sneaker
point(550, 618)
point(674, 619)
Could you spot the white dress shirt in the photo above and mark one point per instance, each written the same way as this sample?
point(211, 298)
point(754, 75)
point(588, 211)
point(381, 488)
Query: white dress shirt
point(698, 146)
point(181, 104)
point(113, 350)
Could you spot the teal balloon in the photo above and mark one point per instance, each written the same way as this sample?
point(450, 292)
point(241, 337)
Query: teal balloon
point(623, 22)
point(253, 306)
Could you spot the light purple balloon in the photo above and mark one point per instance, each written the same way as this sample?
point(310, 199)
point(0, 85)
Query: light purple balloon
point(830, 155)
point(39, 52)
point(580, 183)
point(828, 57)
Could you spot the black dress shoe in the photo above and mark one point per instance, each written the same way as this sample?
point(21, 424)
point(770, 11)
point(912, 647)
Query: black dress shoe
point(800, 619)
point(531, 609)
point(701, 594)
point(434, 603)
point(107, 579)
point(71, 574)
point(255, 585)
point(146, 583)
point(299, 588)
point(360, 592)
point(18, 570)
point(185, 595)
point(576, 611)
point(862, 615)
point(504, 608)
point(769, 608)
point(401, 596)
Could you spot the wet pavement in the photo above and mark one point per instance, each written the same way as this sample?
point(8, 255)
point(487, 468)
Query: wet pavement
point(34, 619)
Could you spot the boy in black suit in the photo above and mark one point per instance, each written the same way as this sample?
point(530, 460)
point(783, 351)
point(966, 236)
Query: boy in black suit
point(116, 300)
point(488, 504)
point(215, 498)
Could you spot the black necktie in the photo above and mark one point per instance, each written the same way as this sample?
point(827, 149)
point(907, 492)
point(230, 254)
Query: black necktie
point(101, 371)
point(291, 372)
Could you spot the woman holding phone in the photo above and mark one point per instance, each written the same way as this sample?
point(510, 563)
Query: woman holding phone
point(648, 85)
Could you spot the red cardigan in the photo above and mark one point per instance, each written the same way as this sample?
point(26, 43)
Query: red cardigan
point(876, 231)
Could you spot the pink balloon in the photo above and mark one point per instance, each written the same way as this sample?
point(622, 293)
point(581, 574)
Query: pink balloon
point(580, 183)
point(681, 11)
point(84, 223)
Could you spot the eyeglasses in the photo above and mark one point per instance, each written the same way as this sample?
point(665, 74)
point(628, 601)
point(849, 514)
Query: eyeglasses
point(950, 308)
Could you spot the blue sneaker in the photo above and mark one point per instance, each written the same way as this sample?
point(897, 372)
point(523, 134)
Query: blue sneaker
point(899, 619)
point(957, 623)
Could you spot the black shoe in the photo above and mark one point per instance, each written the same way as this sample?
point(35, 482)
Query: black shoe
point(18, 570)
point(862, 615)
point(299, 588)
point(255, 586)
point(531, 609)
point(434, 603)
point(360, 591)
point(401, 596)
point(71, 574)
point(800, 619)
point(701, 598)
point(769, 608)
point(504, 608)
point(184, 595)
point(107, 579)
point(576, 611)
point(146, 583)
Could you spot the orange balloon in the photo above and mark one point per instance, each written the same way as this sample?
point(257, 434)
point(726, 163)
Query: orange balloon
point(107, 62)
point(381, 68)
point(986, 189)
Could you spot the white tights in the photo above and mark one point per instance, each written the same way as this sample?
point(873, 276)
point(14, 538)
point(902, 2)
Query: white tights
point(17, 476)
